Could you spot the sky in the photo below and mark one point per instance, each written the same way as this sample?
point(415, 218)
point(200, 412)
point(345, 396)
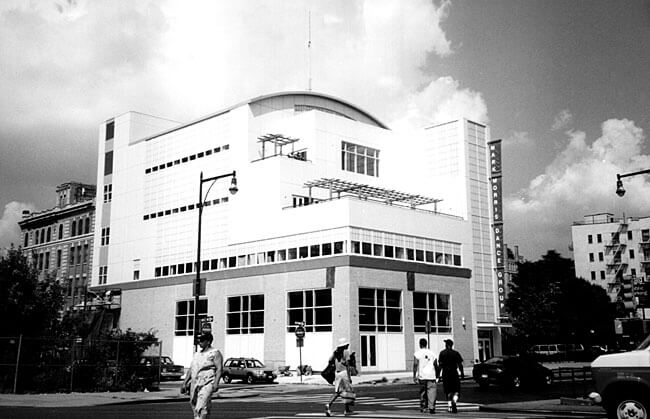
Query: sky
point(564, 84)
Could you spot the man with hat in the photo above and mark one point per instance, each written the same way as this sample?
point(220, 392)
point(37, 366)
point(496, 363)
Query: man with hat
point(203, 377)
point(342, 381)
point(451, 363)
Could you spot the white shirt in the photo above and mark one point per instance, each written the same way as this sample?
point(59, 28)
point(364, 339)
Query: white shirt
point(426, 368)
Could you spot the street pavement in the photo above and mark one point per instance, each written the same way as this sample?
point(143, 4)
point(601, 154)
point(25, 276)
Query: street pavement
point(169, 392)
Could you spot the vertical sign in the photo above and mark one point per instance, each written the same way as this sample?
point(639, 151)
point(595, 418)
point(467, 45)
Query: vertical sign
point(496, 191)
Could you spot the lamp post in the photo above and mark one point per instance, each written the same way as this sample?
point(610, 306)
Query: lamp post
point(620, 191)
point(197, 281)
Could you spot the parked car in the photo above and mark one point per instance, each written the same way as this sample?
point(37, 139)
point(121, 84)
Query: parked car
point(511, 371)
point(249, 370)
point(164, 364)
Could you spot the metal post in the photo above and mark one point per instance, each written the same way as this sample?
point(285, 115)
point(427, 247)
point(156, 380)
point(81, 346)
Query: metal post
point(117, 362)
point(74, 344)
point(20, 344)
point(197, 280)
point(159, 360)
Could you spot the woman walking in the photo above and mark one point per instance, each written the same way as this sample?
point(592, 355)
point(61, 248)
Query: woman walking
point(203, 377)
point(342, 381)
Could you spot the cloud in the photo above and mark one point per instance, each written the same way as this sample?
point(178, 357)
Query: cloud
point(519, 138)
point(9, 229)
point(562, 119)
point(581, 180)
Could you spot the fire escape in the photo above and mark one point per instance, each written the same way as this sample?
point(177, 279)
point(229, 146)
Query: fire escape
point(617, 262)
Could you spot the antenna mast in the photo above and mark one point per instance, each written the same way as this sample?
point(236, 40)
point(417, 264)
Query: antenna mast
point(309, 48)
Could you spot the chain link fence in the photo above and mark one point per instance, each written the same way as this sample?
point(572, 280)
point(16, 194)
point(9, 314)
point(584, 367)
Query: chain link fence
point(29, 364)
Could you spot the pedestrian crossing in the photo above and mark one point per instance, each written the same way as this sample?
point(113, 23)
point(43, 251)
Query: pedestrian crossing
point(392, 402)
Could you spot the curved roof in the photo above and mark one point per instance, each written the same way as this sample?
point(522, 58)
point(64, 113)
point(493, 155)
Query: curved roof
point(309, 98)
point(311, 94)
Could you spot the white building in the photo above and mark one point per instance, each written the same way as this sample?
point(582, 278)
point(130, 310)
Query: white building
point(338, 223)
point(615, 254)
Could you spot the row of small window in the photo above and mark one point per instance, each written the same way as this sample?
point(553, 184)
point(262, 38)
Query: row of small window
point(602, 274)
point(315, 250)
point(380, 310)
point(186, 159)
point(184, 208)
point(645, 236)
point(359, 159)
point(397, 252)
point(78, 255)
point(326, 249)
point(601, 257)
point(44, 235)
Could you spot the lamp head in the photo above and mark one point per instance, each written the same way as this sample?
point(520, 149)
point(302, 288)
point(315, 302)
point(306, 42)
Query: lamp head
point(620, 191)
point(233, 185)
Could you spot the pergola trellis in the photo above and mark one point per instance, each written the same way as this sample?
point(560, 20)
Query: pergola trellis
point(389, 196)
point(278, 141)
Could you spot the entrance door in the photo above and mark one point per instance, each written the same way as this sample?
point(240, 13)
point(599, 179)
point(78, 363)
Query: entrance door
point(484, 349)
point(369, 351)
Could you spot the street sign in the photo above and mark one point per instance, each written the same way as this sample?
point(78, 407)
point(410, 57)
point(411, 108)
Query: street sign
point(300, 342)
point(300, 332)
point(208, 318)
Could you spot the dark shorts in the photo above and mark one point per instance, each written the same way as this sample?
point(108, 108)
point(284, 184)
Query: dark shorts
point(451, 384)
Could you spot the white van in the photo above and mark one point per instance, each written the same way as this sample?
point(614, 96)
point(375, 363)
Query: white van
point(623, 382)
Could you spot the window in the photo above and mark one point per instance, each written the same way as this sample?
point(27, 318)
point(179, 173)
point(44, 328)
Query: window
point(78, 254)
point(110, 130)
point(73, 228)
point(108, 193)
point(85, 253)
point(108, 163)
point(433, 307)
point(245, 314)
point(645, 235)
point(58, 258)
point(48, 235)
point(185, 316)
point(591, 257)
point(599, 238)
point(629, 235)
point(40, 262)
point(359, 159)
point(136, 275)
point(103, 275)
point(593, 275)
point(71, 255)
point(106, 235)
point(60, 231)
point(26, 240)
point(633, 272)
point(602, 274)
point(314, 307)
point(631, 253)
point(600, 256)
point(380, 310)
point(47, 260)
point(42, 235)
point(590, 239)
point(87, 225)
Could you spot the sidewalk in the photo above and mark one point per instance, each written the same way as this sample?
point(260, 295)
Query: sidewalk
point(567, 406)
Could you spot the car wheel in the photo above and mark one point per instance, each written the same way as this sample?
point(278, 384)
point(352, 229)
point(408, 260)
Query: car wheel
point(249, 379)
point(515, 381)
point(630, 406)
point(226, 378)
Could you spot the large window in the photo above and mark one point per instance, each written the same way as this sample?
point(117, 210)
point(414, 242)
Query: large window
point(432, 307)
point(108, 193)
point(313, 307)
point(103, 275)
point(380, 310)
point(185, 316)
point(106, 235)
point(245, 314)
point(110, 130)
point(359, 159)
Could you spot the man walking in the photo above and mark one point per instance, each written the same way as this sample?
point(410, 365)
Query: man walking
point(451, 363)
point(425, 373)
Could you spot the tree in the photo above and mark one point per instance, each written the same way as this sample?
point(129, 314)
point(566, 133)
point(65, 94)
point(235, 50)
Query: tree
point(547, 303)
point(28, 306)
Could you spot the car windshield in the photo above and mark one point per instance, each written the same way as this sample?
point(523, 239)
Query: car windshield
point(645, 344)
point(165, 360)
point(494, 361)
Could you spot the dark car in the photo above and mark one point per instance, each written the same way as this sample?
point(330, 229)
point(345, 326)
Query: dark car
point(164, 364)
point(512, 371)
point(249, 370)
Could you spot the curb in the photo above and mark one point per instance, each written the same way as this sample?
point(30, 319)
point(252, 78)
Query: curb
point(185, 399)
point(554, 413)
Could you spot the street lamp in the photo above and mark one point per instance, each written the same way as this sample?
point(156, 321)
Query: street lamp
point(620, 191)
point(197, 281)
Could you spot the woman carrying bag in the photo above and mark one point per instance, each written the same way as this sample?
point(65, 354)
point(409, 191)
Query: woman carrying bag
point(342, 381)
